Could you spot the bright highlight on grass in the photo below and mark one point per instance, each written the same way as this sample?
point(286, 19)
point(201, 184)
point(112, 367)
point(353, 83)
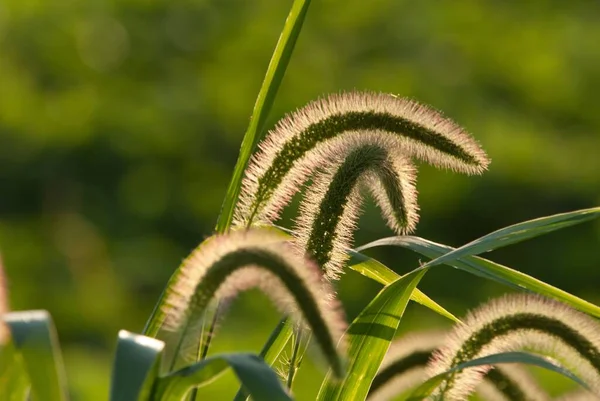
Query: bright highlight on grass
point(405, 367)
point(226, 265)
point(346, 145)
point(290, 152)
point(514, 323)
point(330, 208)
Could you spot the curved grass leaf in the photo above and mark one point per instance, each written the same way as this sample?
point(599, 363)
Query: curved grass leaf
point(513, 234)
point(261, 382)
point(135, 368)
point(34, 338)
point(369, 338)
point(427, 388)
point(262, 107)
point(379, 272)
point(487, 269)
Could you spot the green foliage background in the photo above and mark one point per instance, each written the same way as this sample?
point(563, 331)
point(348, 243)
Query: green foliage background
point(120, 123)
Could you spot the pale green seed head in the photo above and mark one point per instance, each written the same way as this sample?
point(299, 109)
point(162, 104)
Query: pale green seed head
point(405, 367)
point(514, 323)
point(330, 206)
point(286, 158)
point(226, 265)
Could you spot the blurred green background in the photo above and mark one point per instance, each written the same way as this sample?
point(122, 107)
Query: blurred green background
point(120, 122)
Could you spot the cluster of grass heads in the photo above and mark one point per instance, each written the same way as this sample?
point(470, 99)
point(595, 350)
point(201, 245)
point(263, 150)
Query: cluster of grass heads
point(346, 145)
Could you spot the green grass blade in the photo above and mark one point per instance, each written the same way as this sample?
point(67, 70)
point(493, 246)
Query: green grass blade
point(369, 338)
point(135, 368)
point(262, 107)
point(261, 382)
point(517, 233)
point(14, 381)
point(272, 348)
point(490, 270)
point(379, 272)
point(425, 389)
point(35, 339)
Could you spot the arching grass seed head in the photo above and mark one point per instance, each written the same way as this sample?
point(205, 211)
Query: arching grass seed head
point(226, 265)
point(514, 323)
point(286, 158)
point(331, 205)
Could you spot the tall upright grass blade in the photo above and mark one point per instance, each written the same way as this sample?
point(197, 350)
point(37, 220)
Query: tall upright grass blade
point(426, 389)
point(34, 338)
point(262, 107)
point(256, 377)
point(487, 269)
point(135, 368)
point(369, 338)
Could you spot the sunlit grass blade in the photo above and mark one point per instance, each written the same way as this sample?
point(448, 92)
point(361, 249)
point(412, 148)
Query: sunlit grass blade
point(488, 269)
point(379, 272)
point(256, 377)
point(516, 233)
point(135, 368)
point(262, 107)
point(34, 337)
point(369, 338)
point(427, 388)
point(14, 381)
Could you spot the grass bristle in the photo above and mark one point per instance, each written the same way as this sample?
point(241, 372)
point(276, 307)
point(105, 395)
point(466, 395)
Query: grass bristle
point(226, 265)
point(514, 323)
point(289, 153)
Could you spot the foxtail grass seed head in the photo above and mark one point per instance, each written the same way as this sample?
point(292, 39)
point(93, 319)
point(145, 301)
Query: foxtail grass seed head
point(228, 264)
point(519, 322)
point(405, 367)
point(330, 207)
point(510, 382)
point(286, 158)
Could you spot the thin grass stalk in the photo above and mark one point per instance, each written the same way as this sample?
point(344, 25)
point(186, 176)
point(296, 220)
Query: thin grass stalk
point(293, 358)
point(275, 73)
